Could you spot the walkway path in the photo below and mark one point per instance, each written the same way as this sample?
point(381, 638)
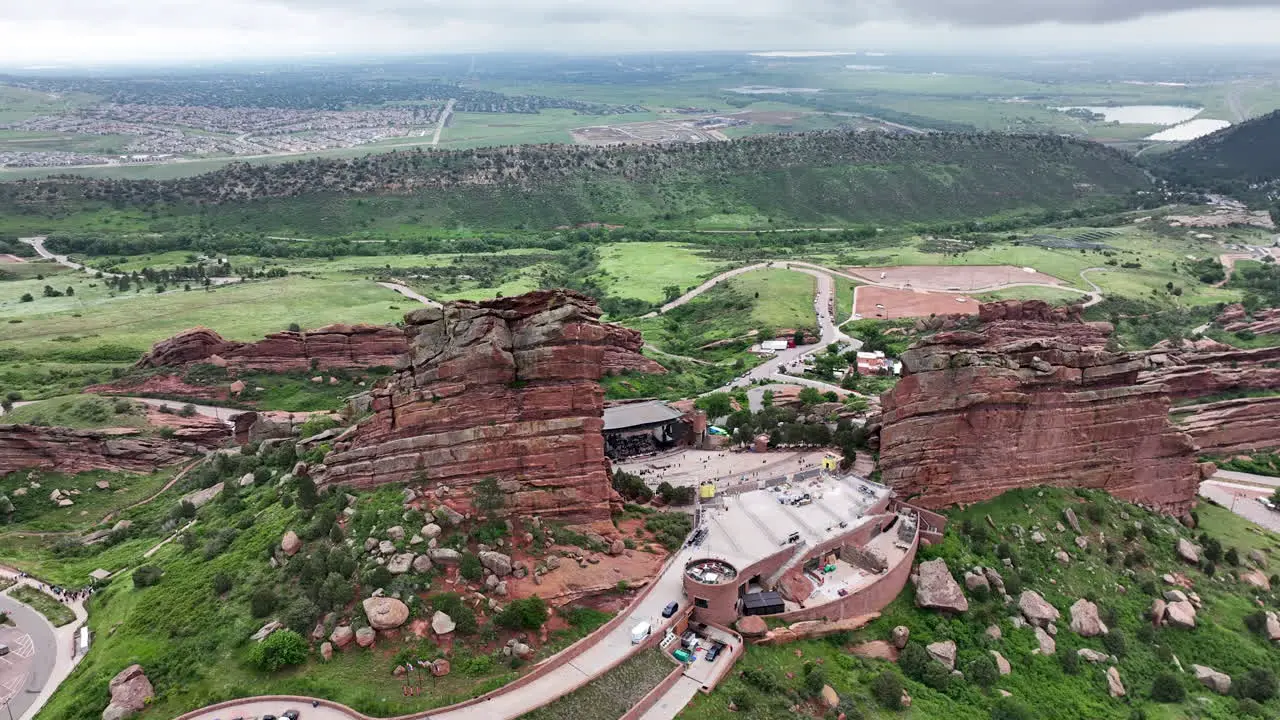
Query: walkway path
point(410, 293)
point(54, 648)
point(1239, 493)
point(37, 243)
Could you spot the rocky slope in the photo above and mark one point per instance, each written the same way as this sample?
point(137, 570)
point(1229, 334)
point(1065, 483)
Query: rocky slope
point(1030, 396)
point(329, 347)
point(506, 388)
point(28, 447)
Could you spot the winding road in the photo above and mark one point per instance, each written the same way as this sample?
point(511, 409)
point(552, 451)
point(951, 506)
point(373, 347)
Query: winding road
point(26, 686)
point(37, 243)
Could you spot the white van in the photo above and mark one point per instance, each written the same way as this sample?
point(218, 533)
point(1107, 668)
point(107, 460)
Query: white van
point(640, 632)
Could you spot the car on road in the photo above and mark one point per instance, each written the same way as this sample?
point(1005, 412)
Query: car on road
point(290, 715)
point(670, 609)
point(1266, 503)
point(714, 652)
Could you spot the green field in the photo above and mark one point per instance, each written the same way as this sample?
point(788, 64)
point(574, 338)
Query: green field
point(45, 604)
point(80, 411)
point(643, 270)
point(785, 297)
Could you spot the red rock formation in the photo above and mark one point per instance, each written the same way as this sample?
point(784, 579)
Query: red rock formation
point(1030, 398)
point(505, 388)
point(1233, 318)
point(329, 347)
point(1233, 426)
point(160, 385)
point(28, 447)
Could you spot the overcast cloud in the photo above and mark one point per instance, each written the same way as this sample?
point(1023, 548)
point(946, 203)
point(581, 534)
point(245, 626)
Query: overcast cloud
point(56, 32)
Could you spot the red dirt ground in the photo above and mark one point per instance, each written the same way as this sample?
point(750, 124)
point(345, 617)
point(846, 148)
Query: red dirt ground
point(910, 303)
point(952, 277)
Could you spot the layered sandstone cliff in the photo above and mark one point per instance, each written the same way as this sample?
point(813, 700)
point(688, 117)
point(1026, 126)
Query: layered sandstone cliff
point(1030, 396)
point(506, 388)
point(30, 447)
point(1223, 396)
point(327, 348)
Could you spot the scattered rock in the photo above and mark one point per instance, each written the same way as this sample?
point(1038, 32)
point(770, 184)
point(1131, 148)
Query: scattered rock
point(993, 632)
point(440, 668)
point(400, 564)
point(431, 530)
point(1175, 596)
point(1157, 612)
point(899, 635)
point(365, 636)
point(1082, 542)
point(1181, 614)
point(1187, 551)
point(290, 543)
point(1036, 609)
point(395, 533)
point(1070, 516)
point(1093, 656)
point(445, 556)
point(386, 547)
point(943, 652)
point(973, 581)
point(1062, 557)
point(1001, 663)
point(1038, 537)
point(1257, 579)
point(499, 563)
point(1114, 686)
point(937, 589)
point(326, 651)
point(754, 626)
point(1047, 644)
point(342, 636)
point(266, 630)
point(422, 564)
point(829, 696)
point(385, 613)
point(1085, 621)
point(1218, 682)
point(442, 624)
point(1255, 556)
point(1273, 626)
point(616, 547)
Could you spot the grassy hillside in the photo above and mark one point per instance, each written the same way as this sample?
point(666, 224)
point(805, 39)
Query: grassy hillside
point(813, 178)
point(1128, 551)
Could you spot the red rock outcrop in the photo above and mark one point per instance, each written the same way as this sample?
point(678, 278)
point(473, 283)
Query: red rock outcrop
point(1030, 397)
point(1243, 425)
point(1233, 318)
point(29, 447)
point(329, 347)
point(506, 388)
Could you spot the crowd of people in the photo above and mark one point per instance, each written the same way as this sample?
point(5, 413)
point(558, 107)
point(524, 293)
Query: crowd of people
point(65, 595)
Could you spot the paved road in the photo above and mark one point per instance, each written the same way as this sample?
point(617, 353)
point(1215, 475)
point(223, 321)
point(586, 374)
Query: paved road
point(221, 413)
point(30, 659)
point(444, 118)
point(410, 293)
point(37, 243)
point(52, 661)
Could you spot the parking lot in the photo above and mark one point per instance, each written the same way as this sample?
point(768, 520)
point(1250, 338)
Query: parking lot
point(15, 666)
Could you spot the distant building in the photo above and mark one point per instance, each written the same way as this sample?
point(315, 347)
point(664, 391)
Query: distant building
point(776, 345)
point(873, 363)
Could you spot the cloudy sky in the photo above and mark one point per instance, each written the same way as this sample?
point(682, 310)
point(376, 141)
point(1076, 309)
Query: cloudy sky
point(60, 32)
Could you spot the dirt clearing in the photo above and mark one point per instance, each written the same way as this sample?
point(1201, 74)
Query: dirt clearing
point(890, 303)
point(958, 278)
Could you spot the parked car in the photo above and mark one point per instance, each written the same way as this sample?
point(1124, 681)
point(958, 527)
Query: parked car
point(714, 652)
point(670, 609)
point(290, 715)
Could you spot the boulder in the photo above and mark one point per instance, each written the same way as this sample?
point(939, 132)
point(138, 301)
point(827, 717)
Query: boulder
point(442, 624)
point(944, 652)
point(451, 516)
point(385, 613)
point(431, 530)
point(497, 562)
point(422, 564)
point(936, 589)
point(617, 546)
point(1036, 609)
point(445, 556)
point(386, 547)
point(1175, 596)
point(899, 636)
point(1002, 664)
point(365, 636)
point(440, 668)
point(130, 691)
point(1257, 579)
point(1187, 551)
point(400, 564)
point(266, 630)
point(326, 651)
point(993, 632)
point(1072, 520)
point(1157, 612)
point(1180, 614)
point(994, 580)
point(1257, 558)
point(1114, 687)
point(395, 533)
point(1038, 537)
point(1093, 656)
point(751, 626)
point(290, 543)
point(1047, 644)
point(342, 636)
point(1272, 626)
point(1085, 621)
point(1062, 557)
point(1218, 682)
point(973, 581)
point(829, 696)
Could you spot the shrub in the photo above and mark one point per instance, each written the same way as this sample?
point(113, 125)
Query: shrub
point(913, 660)
point(527, 614)
point(983, 671)
point(1007, 708)
point(221, 583)
point(1232, 557)
point(1248, 707)
point(814, 678)
point(281, 648)
point(886, 688)
point(470, 567)
point(1114, 642)
point(146, 576)
point(1095, 512)
point(1167, 689)
point(1257, 684)
point(1256, 622)
point(1070, 662)
point(631, 486)
point(262, 602)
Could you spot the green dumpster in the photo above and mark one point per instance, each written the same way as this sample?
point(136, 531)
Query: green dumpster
point(682, 655)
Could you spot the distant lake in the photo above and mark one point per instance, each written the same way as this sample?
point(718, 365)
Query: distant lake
point(770, 90)
point(1190, 130)
point(1142, 114)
